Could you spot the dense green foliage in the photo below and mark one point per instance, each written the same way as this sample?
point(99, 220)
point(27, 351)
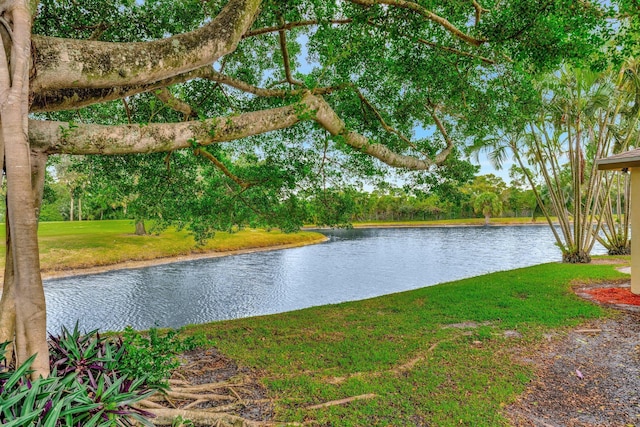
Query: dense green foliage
point(153, 355)
point(389, 73)
point(451, 198)
point(95, 381)
point(86, 387)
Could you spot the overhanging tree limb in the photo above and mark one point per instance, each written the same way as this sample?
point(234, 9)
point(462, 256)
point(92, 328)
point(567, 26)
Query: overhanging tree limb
point(69, 63)
point(329, 120)
point(66, 99)
point(59, 138)
point(415, 7)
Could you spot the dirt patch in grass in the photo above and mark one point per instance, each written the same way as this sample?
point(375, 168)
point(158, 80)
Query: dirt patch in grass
point(208, 382)
point(589, 378)
point(609, 261)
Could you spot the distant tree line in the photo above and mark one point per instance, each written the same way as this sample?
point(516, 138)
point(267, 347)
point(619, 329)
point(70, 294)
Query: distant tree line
point(465, 201)
point(71, 195)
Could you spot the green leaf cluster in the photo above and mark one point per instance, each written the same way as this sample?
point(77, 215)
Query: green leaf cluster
point(95, 381)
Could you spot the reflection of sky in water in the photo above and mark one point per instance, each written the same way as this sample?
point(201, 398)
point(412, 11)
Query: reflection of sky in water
point(355, 264)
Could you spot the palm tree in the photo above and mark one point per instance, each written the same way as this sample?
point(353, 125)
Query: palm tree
point(583, 115)
point(488, 204)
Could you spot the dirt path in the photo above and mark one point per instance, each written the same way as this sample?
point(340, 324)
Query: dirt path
point(590, 378)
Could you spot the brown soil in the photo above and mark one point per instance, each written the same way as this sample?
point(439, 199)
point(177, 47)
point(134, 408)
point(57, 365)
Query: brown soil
point(590, 377)
point(212, 387)
point(241, 384)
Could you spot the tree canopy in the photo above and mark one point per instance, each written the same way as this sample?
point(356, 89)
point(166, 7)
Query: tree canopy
point(348, 85)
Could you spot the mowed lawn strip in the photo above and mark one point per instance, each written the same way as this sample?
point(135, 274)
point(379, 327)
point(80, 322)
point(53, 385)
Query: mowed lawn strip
point(455, 222)
point(434, 356)
point(83, 244)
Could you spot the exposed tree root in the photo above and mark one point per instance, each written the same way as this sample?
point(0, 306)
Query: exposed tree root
point(178, 394)
point(343, 401)
point(232, 397)
point(199, 405)
point(407, 366)
point(166, 417)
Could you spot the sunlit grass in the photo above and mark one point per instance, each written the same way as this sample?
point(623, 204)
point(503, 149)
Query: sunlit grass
point(463, 221)
point(456, 375)
point(81, 244)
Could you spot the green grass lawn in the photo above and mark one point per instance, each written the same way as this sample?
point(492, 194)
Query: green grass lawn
point(403, 349)
point(81, 244)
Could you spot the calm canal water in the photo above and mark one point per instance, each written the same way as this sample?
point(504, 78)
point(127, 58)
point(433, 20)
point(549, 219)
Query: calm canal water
point(352, 265)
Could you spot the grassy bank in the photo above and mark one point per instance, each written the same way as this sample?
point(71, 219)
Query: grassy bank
point(448, 355)
point(77, 245)
point(454, 222)
point(444, 355)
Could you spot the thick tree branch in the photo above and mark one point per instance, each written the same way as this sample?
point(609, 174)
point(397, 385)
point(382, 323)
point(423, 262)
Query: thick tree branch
point(329, 120)
point(174, 103)
point(69, 99)
point(66, 99)
point(444, 23)
point(81, 64)
point(58, 137)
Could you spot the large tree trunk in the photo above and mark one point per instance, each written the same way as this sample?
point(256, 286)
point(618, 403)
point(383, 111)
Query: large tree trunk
point(140, 230)
point(28, 314)
point(8, 300)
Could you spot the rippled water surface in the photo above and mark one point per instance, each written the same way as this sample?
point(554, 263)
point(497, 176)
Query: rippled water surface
point(354, 264)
